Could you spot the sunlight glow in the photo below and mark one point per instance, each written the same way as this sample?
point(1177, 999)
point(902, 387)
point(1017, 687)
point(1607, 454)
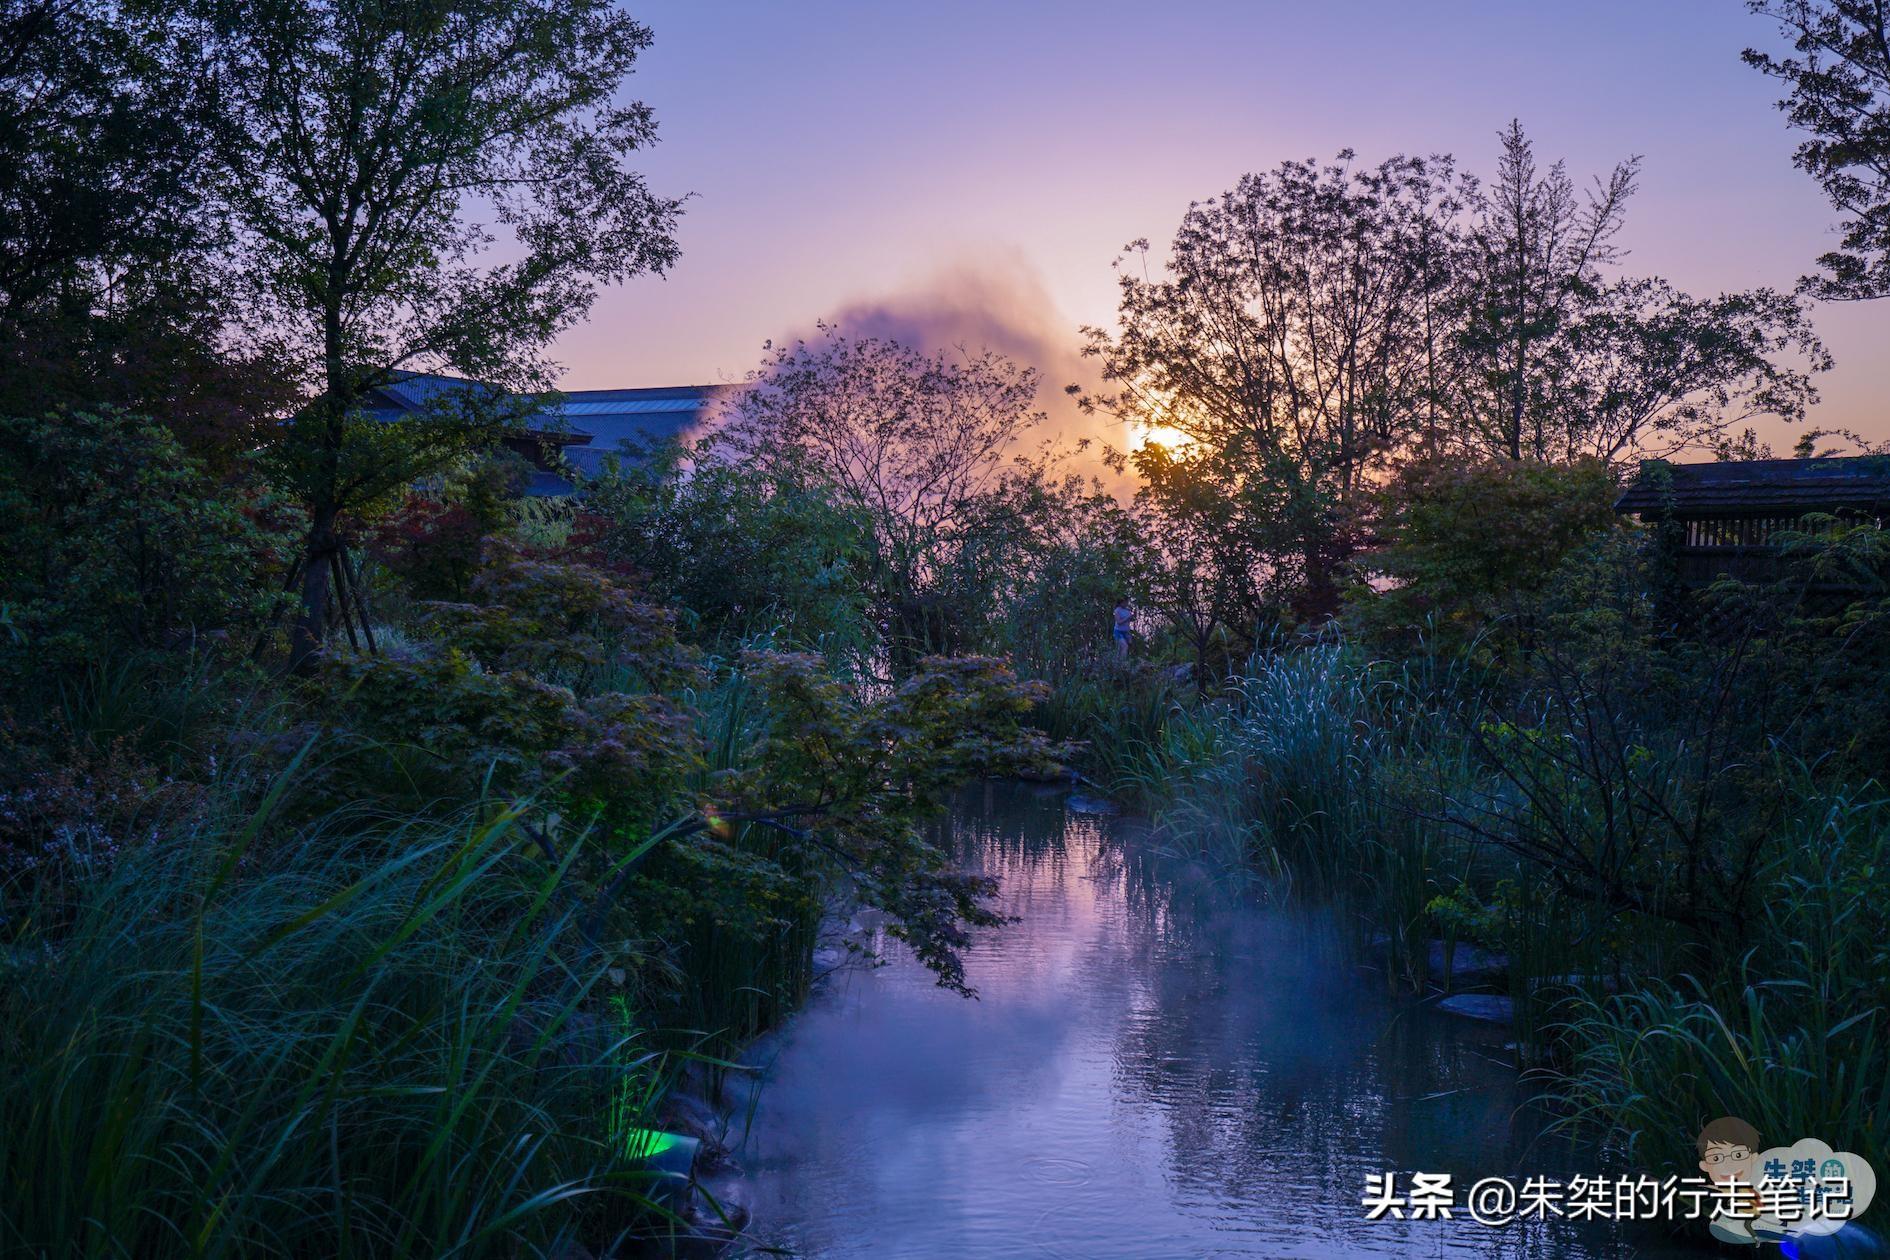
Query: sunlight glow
point(1161, 435)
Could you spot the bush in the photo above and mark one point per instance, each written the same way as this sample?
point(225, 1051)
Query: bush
point(1467, 543)
point(117, 538)
point(1791, 1035)
point(434, 543)
point(739, 551)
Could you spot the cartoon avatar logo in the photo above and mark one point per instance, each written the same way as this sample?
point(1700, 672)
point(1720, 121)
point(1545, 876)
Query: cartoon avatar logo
point(1829, 1189)
point(1785, 1192)
point(1729, 1152)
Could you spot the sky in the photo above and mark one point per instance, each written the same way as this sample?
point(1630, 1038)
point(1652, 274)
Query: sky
point(966, 173)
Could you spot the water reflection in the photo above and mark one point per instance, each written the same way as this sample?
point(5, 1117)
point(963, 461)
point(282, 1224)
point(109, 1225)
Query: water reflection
point(1152, 1069)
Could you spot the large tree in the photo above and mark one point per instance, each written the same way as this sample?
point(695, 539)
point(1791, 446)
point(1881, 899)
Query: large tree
point(1839, 85)
point(924, 447)
point(108, 244)
point(1537, 252)
point(1319, 325)
point(1562, 357)
point(1294, 340)
point(420, 185)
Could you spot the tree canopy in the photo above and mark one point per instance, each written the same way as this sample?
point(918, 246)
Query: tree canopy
point(1838, 86)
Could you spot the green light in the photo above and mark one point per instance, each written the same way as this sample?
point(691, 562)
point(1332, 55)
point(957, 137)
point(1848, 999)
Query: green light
point(640, 1144)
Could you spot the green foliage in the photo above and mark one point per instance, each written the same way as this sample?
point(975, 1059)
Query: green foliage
point(1055, 610)
point(415, 184)
point(1692, 919)
point(1839, 95)
point(118, 539)
point(561, 619)
point(365, 1016)
point(1471, 543)
point(864, 771)
point(366, 1038)
point(919, 448)
point(1788, 1028)
point(1216, 570)
point(433, 542)
point(1820, 632)
point(553, 682)
point(738, 550)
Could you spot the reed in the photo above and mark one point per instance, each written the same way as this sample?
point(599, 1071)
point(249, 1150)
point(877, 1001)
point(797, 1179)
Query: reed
point(374, 1036)
point(1793, 1038)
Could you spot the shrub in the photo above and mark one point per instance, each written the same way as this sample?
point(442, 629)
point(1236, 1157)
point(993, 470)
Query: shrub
point(117, 538)
point(1789, 1034)
point(739, 550)
point(1467, 543)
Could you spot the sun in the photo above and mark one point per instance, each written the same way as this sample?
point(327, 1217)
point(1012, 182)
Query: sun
point(1165, 436)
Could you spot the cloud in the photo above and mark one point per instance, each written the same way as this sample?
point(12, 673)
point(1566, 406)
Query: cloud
point(1002, 307)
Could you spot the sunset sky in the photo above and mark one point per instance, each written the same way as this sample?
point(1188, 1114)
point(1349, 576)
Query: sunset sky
point(967, 172)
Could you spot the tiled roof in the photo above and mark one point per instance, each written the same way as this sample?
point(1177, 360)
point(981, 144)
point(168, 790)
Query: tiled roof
point(413, 390)
point(1759, 486)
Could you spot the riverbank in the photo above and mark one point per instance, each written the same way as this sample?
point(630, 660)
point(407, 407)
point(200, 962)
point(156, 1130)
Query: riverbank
point(1454, 817)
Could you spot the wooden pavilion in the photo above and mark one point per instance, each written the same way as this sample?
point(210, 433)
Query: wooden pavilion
point(1724, 517)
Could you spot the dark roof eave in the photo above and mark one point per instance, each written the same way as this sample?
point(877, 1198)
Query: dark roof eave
point(1759, 487)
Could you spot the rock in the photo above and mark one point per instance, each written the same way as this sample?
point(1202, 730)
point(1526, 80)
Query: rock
point(1491, 1008)
point(1081, 804)
point(687, 1113)
point(1468, 964)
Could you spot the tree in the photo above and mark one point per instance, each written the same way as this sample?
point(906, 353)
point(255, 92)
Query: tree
point(1647, 370)
point(108, 244)
point(1057, 584)
point(739, 550)
point(420, 184)
point(1292, 337)
point(1537, 252)
point(119, 540)
point(1563, 359)
point(1469, 541)
point(920, 445)
point(1839, 85)
point(1208, 572)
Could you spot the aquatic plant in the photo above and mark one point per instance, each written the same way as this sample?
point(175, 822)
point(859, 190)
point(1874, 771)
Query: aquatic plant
point(365, 1036)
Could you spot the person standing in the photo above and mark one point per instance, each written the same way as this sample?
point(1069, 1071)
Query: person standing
point(1123, 617)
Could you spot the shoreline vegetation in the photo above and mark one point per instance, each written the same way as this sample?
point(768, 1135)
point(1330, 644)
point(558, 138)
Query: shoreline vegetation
point(380, 844)
point(1328, 776)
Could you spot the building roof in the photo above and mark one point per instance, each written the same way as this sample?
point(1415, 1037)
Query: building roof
point(410, 391)
point(590, 424)
point(1759, 487)
point(609, 418)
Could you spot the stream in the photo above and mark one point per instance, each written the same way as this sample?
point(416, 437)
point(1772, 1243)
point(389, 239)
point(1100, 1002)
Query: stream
point(1153, 1068)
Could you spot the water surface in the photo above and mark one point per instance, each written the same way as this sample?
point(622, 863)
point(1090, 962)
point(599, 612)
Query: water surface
point(1153, 1068)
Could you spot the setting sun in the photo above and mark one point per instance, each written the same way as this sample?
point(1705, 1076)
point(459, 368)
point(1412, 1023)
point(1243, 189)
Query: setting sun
point(1166, 436)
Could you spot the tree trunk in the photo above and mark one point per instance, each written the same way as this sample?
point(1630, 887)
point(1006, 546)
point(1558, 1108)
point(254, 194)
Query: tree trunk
point(305, 640)
point(1518, 390)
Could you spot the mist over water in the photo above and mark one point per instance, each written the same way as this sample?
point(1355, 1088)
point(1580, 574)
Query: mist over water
point(1152, 1069)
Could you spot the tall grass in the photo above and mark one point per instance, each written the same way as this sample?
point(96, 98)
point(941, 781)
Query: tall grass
point(1119, 719)
point(370, 1037)
point(1793, 1038)
point(743, 977)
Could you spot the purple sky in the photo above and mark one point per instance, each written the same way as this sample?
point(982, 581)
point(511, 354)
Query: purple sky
point(968, 171)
